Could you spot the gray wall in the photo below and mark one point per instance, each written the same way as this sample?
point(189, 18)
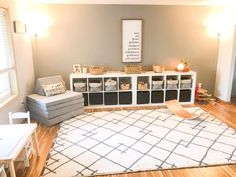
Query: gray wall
point(91, 34)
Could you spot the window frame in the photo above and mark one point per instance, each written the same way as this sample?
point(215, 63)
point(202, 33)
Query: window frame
point(11, 69)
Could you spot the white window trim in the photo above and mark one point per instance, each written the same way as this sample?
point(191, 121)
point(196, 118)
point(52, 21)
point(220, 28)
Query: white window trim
point(10, 70)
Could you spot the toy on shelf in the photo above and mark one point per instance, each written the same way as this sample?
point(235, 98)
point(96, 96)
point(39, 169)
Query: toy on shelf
point(202, 95)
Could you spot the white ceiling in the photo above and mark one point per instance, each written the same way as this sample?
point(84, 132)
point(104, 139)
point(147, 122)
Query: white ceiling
point(155, 2)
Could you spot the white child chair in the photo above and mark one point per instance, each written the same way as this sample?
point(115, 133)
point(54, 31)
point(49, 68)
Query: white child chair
point(2, 171)
point(28, 149)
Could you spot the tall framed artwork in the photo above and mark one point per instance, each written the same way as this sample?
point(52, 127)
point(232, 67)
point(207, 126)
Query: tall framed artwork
point(132, 40)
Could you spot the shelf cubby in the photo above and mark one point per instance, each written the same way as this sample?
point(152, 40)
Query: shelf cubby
point(111, 98)
point(143, 97)
point(95, 98)
point(155, 88)
point(85, 95)
point(125, 98)
point(171, 95)
point(185, 95)
point(157, 97)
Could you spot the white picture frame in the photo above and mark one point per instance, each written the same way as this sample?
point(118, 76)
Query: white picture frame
point(131, 40)
point(77, 68)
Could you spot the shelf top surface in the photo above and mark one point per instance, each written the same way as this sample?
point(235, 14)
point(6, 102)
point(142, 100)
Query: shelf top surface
point(123, 74)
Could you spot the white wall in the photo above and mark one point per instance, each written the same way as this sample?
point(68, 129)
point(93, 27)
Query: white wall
point(23, 58)
point(226, 56)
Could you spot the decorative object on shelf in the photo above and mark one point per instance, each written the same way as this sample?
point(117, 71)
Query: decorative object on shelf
point(95, 87)
point(96, 70)
point(142, 85)
point(131, 40)
point(19, 27)
point(157, 84)
point(158, 68)
point(183, 66)
point(77, 68)
point(110, 85)
point(85, 70)
point(133, 69)
point(80, 86)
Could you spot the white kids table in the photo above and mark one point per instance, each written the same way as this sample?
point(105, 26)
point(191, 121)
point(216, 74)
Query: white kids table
point(13, 138)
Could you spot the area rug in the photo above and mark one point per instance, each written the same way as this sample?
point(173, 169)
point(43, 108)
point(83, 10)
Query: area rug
point(127, 141)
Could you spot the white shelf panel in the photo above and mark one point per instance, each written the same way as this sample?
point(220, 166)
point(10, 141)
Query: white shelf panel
point(133, 92)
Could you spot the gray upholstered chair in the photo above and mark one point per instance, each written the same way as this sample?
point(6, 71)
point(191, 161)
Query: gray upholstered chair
point(50, 110)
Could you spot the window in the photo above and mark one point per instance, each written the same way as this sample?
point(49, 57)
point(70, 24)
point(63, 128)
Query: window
point(8, 86)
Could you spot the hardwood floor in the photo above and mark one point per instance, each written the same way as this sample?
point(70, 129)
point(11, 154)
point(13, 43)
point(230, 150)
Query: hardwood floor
point(225, 112)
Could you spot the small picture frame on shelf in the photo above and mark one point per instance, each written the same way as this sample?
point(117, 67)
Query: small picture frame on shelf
point(77, 68)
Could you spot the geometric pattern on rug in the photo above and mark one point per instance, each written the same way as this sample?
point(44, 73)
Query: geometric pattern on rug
point(137, 140)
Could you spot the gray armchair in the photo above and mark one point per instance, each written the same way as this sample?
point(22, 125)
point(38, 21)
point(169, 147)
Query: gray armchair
point(50, 110)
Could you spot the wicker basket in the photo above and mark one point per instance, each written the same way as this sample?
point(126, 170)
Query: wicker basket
point(96, 70)
point(133, 69)
point(125, 86)
point(142, 86)
point(158, 68)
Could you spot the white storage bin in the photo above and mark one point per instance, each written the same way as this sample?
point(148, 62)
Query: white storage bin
point(157, 84)
point(186, 83)
point(172, 84)
point(110, 85)
point(80, 87)
point(95, 87)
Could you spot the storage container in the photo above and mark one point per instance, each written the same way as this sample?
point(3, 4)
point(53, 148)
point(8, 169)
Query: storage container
point(172, 84)
point(80, 87)
point(133, 69)
point(124, 86)
point(186, 83)
point(110, 85)
point(142, 86)
point(157, 84)
point(95, 87)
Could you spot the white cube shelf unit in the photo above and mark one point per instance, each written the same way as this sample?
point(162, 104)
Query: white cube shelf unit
point(149, 88)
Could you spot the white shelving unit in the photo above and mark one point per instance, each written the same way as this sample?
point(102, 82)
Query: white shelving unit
point(182, 88)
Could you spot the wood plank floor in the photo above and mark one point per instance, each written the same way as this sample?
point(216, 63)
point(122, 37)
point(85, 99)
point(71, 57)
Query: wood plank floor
point(225, 112)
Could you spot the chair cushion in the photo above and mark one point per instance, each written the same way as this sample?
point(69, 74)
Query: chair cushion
point(46, 81)
point(54, 100)
point(53, 107)
point(57, 119)
point(56, 112)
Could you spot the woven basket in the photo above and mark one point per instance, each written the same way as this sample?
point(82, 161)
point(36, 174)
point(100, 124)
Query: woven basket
point(96, 70)
point(158, 68)
point(142, 86)
point(125, 86)
point(133, 69)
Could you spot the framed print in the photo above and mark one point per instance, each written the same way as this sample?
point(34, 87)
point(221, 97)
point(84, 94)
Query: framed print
point(19, 27)
point(77, 68)
point(131, 40)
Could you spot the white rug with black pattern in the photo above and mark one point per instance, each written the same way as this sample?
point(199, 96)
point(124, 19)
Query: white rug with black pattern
point(128, 141)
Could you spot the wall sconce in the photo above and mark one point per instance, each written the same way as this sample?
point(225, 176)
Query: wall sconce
point(38, 24)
